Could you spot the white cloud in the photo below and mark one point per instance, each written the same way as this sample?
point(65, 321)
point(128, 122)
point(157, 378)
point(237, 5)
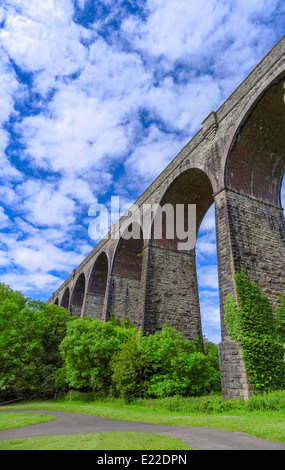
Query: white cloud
point(89, 123)
point(8, 87)
point(152, 155)
point(206, 249)
point(34, 255)
point(210, 314)
point(78, 189)
point(181, 30)
point(53, 204)
point(7, 194)
point(206, 246)
point(4, 219)
point(209, 223)
point(183, 106)
point(41, 37)
point(32, 284)
point(45, 205)
point(8, 172)
point(208, 277)
point(175, 29)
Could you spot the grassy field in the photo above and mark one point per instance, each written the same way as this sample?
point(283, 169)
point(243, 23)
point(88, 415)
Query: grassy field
point(263, 416)
point(104, 441)
point(18, 420)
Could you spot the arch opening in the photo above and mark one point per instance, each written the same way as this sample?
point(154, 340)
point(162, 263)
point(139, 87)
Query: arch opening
point(65, 299)
point(96, 289)
point(172, 280)
point(256, 161)
point(78, 296)
point(128, 258)
point(192, 187)
point(56, 301)
point(207, 272)
point(98, 277)
point(126, 276)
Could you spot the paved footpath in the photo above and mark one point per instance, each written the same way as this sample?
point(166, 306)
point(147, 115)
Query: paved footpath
point(199, 438)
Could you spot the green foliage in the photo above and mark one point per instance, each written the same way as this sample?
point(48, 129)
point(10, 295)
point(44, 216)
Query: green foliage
point(87, 350)
point(212, 404)
point(30, 334)
point(280, 315)
point(211, 351)
point(253, 325)
point(233, 317)
point(164, 364)
point(21, 329)
point(43, 350)
point(56, 320)
point(130, 370)
point(178, 366)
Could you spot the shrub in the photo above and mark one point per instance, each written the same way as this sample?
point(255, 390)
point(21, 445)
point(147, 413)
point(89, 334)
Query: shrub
point(273, 401)
point(87, 350)
point(163, 365)
point(130, 370)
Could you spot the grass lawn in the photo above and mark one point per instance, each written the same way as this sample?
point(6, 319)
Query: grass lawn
point(267, 424)
point(104, 441)
point(18, 420)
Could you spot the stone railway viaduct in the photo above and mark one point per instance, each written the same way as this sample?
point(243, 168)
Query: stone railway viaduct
point(236, 161)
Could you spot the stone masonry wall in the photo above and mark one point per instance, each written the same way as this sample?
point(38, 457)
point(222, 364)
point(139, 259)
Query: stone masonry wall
point(234, 378)
point(251, 233)
point(124, 298)
point(75, 310)
point(170, 288)
point(93, 306)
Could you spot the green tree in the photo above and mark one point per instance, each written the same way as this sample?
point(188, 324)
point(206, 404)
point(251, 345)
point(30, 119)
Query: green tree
point(178, 367)
point(130, 370)
point(87, 350)
point(30, 334)
point(21, 331)
point(164, 364)
point(55, 320)
point(211, 351)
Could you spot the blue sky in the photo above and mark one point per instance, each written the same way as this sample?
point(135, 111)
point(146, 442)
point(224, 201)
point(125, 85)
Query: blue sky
point(97, 97)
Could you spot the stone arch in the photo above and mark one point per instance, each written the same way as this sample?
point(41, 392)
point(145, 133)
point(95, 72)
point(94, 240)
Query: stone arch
point(192, 186)
point(77, 297)
point(255, 160)
point(250, 204)
point(98, 277)
point(56, 301)
point(171, 287)
point(96, 287)
point(249, 216)
point(125, 282)
point(127, 259)
point(65, 299)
